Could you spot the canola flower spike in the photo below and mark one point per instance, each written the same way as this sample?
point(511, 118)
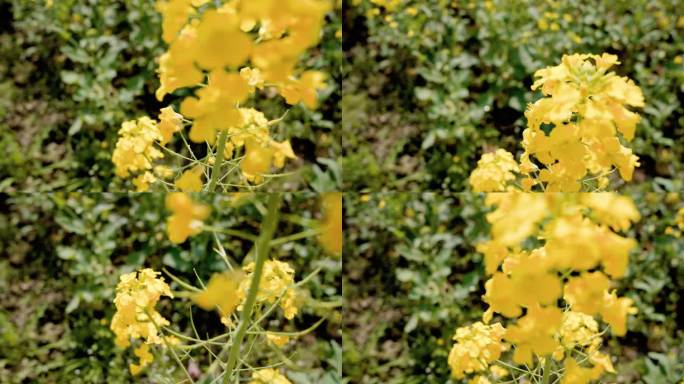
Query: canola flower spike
point(331, 223)
point(186, 219)
point(285, 30)
point(261, 152)
point(277, 280)
point(268, 376)
point(137, 294)
point(476, 347)
point(494, 171)
point(577, 255)
point(220, 293)
point(267, 39)
point(135, 149)
point(573, 133)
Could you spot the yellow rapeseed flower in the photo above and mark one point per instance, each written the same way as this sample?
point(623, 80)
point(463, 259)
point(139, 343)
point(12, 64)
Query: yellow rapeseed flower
point(221, 293)
point(494, 171)
point(277, 281)
point(186, 219)
point(476, 347)
point(136, 317)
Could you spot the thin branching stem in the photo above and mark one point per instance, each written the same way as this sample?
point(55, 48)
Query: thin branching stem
point(263, 246)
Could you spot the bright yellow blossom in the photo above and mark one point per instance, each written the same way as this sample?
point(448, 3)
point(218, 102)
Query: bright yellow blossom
point(186, 219)
point(494, 171)
point(277, 281)
point(220, 293)
point(191, 180)
point(476, 347)
point(136, 317)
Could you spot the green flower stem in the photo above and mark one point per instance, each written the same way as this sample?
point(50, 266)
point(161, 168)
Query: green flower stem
point(296, 236)
point(223, 137)
point(547, 370)
point(263, 246)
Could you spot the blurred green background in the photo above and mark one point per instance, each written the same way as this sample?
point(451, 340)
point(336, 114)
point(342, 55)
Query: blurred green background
point(72, 72)
point(61, 256)
point(412, 277)
point(431, 85)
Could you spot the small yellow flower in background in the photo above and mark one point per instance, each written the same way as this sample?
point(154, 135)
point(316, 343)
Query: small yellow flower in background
point(494, 171)
point(543, 24)
point(170, 122)
point(277, 339)
point(143, 353)
point(221, 293)
point(331, 224)
point(476, 346)
point(191, 180)
point(186, 219)
point(268, 376)
point(277, 280)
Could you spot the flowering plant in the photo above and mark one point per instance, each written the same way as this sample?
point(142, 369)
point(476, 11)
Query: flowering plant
point(244, 297)
point(572, 141)
point(551, 290)
point(222, 54)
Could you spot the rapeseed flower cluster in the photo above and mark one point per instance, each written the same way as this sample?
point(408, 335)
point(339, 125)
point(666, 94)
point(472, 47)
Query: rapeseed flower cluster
point(494, 171)
point(227, 291)
point(476, 347)
point(577, 256)
point(226, 52)
point(277, 281)
point(135, 151)
point(266, 39)
point(136, 317)
point(574, 133)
